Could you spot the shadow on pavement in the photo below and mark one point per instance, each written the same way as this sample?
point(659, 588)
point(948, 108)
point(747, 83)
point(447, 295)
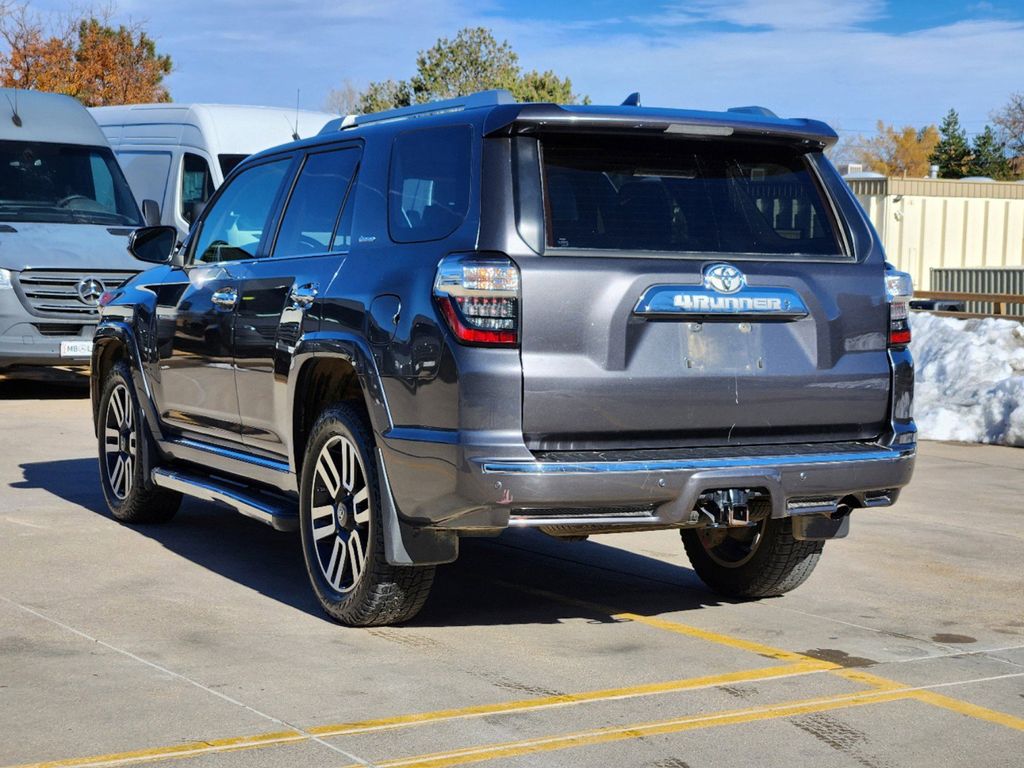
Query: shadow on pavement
point(494, 581)
point(32, 384)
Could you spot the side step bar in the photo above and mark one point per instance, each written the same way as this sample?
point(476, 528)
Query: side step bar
point(254, 505)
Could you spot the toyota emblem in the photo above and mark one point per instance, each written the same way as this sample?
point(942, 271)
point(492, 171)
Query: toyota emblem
point(724, 278)
point(89, 290)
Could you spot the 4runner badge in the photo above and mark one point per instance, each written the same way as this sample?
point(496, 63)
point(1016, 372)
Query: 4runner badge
point(724, 294)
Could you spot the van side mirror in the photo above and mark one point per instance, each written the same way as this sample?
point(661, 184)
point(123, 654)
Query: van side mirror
point(151, 213)
point(153, 244)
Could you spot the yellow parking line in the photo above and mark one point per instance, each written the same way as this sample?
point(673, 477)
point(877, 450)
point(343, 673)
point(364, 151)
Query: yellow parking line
point(636, 731)
point(971, 710)
point(674, 626)
point(727, 640)
point(855, 675)
point(422, 718)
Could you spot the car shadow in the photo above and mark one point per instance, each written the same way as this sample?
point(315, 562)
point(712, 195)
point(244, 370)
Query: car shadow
point(43, 385)
point(522, 577)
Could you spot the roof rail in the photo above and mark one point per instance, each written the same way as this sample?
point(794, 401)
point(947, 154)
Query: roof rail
point(753, 110)
point(472, 101)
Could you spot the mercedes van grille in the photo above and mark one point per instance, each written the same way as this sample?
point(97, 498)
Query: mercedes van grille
point(71, 293)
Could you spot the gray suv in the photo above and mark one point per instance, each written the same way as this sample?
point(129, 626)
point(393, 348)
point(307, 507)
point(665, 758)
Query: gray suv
point(469, 316)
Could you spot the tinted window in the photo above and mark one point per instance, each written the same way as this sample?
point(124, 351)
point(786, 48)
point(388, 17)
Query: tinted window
point(233, 227)
point(315, 205)
point(428, 193)
point(196, 183)
point(670, 195)
point(46, 182)
point(228, 163)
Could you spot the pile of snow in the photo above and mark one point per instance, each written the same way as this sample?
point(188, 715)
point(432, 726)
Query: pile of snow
point(970, 379)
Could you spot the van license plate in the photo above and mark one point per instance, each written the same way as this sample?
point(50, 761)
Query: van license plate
point(76, 349)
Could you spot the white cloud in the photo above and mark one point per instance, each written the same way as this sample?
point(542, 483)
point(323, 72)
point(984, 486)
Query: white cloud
point(772, 14)
point(800, 57)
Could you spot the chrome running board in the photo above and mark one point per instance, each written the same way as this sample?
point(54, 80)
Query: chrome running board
point(254, 505)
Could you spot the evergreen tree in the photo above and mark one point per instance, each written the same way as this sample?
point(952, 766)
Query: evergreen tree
point(988, 156)
point(471, 61)
point(951, 154)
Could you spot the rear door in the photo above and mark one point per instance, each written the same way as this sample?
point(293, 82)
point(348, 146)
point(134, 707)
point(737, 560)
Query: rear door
point(696, 293)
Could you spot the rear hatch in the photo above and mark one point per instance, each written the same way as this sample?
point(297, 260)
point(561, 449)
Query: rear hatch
point(695, 292)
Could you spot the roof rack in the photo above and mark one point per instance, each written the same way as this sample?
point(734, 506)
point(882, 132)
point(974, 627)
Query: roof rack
point(472, 101)
point(753, 110)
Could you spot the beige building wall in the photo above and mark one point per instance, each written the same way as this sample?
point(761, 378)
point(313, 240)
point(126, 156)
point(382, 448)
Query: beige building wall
point(927, 223)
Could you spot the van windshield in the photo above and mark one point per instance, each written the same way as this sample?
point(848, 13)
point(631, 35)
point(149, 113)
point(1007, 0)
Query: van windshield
point(661, 194)
point(65, 183)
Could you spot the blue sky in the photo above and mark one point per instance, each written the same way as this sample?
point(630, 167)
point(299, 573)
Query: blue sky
point(849, 63)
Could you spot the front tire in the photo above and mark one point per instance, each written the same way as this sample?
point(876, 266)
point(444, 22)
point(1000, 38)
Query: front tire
point(749, 563)
point(126, 452)
point(342, 531)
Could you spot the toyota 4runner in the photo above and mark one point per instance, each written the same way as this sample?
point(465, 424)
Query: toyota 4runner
point(468, 316)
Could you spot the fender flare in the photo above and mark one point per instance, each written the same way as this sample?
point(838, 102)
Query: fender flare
point(404, 544)
point(116, 332)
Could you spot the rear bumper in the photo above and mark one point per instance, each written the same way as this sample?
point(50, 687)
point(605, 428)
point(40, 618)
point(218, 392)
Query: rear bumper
point(466, 486)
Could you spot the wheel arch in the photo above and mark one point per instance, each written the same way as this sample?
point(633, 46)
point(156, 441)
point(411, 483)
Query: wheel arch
point(329, 370)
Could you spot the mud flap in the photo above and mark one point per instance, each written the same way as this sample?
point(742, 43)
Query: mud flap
point(406, 544)
point(820, 527)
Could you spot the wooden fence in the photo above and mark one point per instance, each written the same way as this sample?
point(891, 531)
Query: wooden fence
point(1004, 305)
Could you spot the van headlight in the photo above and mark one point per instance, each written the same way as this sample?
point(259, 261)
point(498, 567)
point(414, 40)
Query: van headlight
point(5, 279)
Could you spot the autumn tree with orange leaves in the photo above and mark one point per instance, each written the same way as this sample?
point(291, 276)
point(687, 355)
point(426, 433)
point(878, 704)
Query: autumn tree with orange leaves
point(85, 57)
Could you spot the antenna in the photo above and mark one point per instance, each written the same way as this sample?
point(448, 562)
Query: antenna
point(295, 130)
point(15, 117)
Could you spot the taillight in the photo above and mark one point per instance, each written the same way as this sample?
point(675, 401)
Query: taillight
point(899, 288)
point(478, 295)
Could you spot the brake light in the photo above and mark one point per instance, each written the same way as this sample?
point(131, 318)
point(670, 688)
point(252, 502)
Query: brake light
point(478, 295)
point(899, 288)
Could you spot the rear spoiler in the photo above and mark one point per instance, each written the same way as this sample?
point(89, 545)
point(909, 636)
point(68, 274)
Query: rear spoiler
point(519, 119)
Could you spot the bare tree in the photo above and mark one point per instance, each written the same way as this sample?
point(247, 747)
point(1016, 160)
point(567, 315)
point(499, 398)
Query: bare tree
point(1010, 120)
point(343, 100)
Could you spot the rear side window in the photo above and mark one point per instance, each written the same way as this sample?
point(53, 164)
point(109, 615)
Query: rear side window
point(428, 193)
point(315, 206)
point(663, 194)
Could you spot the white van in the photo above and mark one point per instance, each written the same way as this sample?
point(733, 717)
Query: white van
point(65, 215)
point(178, 154)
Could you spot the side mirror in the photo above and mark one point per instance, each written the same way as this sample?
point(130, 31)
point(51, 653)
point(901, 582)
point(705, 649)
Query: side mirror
point(151, 213)
point(153, 244)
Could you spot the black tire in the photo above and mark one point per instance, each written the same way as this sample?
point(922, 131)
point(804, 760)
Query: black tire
point(750, 563)
point(379, 593)
point(125, 458)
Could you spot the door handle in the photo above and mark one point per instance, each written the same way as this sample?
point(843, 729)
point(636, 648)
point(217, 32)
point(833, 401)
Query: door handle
point(225, 298)
point(303, 296)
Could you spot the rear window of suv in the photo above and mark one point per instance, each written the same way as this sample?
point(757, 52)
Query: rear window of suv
point(664, 194)
point(428, 193)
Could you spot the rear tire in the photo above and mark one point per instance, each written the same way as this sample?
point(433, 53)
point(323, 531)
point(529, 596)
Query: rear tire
point(342, 531)
point(749, 563)
point(126, 452)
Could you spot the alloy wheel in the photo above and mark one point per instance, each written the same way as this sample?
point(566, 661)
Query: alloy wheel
point(340, 514)
point(120, 441)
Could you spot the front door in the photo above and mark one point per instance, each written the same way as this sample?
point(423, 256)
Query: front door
point(196, 391)
point(278, 295)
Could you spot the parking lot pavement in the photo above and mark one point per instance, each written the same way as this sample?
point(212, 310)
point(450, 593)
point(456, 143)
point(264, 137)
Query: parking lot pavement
point(200, 640)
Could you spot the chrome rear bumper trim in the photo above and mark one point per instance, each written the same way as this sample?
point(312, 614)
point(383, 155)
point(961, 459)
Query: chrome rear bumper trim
point(671, 465)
